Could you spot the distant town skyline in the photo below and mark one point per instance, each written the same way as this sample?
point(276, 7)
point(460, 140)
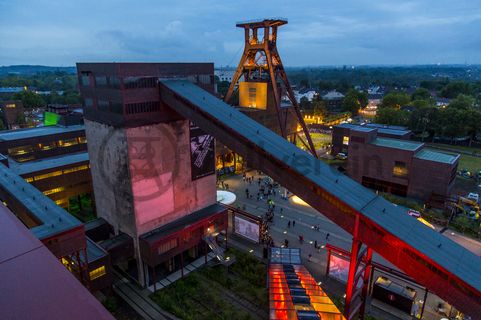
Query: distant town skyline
point(319, 33)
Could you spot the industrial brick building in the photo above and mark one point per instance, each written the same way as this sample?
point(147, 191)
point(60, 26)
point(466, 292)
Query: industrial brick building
point(153, 171)
point(396, 166)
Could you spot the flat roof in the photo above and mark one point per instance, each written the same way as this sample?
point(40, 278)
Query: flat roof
point(393, 130)
point(182, 223)
point(451, 256)
point(54, 218)
point(11, 135)
point(397, 144)
point(34, 284)
point(22, 168)
point(433, 155)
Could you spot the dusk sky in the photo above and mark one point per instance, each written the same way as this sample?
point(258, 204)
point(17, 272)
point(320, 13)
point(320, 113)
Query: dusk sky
point(319, 32)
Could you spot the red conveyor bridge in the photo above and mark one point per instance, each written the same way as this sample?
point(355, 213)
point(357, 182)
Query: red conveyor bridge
point(441, 265)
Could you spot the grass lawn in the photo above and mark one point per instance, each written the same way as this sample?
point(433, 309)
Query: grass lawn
point(318, 139)
point(455, 147)
point(202, 294)
point(471, 163)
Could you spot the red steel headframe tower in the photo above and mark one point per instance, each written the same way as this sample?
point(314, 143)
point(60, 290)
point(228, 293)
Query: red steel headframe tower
point(261, 63)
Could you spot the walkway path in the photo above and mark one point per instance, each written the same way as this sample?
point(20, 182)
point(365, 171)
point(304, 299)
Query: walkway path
point(139, 299)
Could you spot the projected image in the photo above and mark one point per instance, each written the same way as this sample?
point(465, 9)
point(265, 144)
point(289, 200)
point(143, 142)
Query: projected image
point(201, 153)
point(247, 229)
point(338, 268)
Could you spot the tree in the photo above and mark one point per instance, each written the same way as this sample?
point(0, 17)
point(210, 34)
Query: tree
point(319, 107)
point(305, 83)
point(391, 116)
point(463, 102)
point(354, 100)
point(421, 94)
point(453, 89)
point(395, 100)
point(305, 104)
point(29, 99)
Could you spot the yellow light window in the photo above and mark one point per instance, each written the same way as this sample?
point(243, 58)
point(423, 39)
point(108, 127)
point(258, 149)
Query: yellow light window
point(96, 273)
point(52, 191)
point(345, 140)
point(48, 175)
point(400, 169)
point(74, 169)
point(29, 179)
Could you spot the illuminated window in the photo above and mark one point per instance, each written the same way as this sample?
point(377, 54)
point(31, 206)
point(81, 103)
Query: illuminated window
point(61, 202)
point(10, 105)
point(47, 146)
point(82, 140)
point(25, 159)
point(29, 179)
point(74, 169)
point(400, 169)
point(68, 142)
point(97, 273)
point(345, 140)
point(48, 175)
point(20, 150)
point(52, 191)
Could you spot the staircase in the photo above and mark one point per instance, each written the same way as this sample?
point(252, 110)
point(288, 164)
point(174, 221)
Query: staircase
point(217, 250)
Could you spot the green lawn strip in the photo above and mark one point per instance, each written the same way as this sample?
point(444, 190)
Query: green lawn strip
point(193, 298)
point(455, 147)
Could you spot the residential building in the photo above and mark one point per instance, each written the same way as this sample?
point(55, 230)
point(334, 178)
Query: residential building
point(333, 100)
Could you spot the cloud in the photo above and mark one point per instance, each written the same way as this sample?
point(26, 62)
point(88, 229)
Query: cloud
point(318, 33)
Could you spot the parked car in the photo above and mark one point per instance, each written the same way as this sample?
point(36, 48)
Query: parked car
point(474, 196)
point(341, 156)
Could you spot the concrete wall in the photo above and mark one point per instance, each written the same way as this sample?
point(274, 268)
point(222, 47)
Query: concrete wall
point(431, 177)
point(109, 167)
point(377, 162)
point(160, 169)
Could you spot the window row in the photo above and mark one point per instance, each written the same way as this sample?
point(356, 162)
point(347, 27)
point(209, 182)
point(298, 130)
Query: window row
point(26, 149)
point(149, 106)
point(57, 173)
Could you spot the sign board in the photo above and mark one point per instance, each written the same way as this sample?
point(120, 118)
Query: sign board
point(202, 153)
point(253, 95)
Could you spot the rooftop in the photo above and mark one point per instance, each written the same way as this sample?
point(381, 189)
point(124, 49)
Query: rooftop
point(182, 223)
point(35, 285)
point(11, 135)
point(22, 168)
point(432, 155)
point(397, 144)
point(392, 130)
point(53, 218)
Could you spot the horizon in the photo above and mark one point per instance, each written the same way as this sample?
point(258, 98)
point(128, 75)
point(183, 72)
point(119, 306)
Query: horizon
point(348, 33)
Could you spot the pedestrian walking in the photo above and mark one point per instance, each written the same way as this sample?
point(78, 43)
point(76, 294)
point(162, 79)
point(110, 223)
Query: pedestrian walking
point(315, 244)
point(309, 257)
point(289, 224)
point(327, 236)
point(301, 239)
point(286, 243)
point(293, 223)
